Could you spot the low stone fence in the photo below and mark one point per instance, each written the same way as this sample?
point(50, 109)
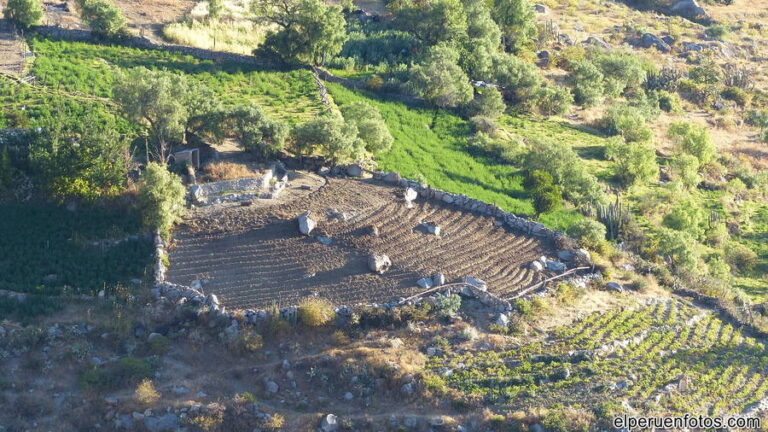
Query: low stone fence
point(269, 185)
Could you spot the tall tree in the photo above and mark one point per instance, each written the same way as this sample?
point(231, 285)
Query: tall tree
point(483, 41)
point(431, 21)
point(309, 31)
point(24, 13)
point(104, 18)
point(516, 18)
point(168, 104)
point(330, 136)
point(439, 80)
point(253, 129)
point(371, 128)
point(161, 196)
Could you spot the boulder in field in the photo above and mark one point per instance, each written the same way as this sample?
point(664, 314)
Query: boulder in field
point(438, 279)
point(379, 263)
point(354, 170)
point(306, 223)
point(425, 283)
point(410, 196)
point(329, 423)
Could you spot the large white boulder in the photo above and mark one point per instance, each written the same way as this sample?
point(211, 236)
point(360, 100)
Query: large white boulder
point(379, 263)
point(306, 223)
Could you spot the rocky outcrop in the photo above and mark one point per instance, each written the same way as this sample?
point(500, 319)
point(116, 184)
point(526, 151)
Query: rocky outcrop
point(379, 263)
point(690, 9)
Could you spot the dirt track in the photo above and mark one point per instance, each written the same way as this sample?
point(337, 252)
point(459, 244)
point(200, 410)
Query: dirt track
point(256, 257)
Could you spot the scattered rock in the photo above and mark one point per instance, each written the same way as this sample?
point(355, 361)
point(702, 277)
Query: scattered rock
point(393, 177)
point(475, 282)
point(541, 9)
point(690, 9)
point(649, 40)
point(354, 170)
point(410, 196)
point(536, 266)
point(438, 279)
point(324, 240)
point(407, 389)
point(348, 396)
point(153, 336)
point(614, 286)
point(565, 255)
point(448, 199)
point(425, 283)
point(329, 423)
point(379, 263)
point(596, 41)
point(502, 320)
point(166, 422)
point(556, 266)
point(271, 386)
point(306, 223)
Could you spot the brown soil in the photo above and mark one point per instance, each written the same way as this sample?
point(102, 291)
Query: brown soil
point(11, 49)
point(254, 257)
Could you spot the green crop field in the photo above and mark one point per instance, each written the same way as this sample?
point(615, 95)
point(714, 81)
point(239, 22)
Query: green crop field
point(48, 249)
point(643, 355)
point(90, 69)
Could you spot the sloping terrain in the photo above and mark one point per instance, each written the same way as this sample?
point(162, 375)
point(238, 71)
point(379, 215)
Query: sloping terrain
point(253, 258)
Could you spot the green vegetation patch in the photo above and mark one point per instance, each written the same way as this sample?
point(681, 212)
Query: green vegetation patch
point(629, 354)
point(90, 69)
point(48, 249)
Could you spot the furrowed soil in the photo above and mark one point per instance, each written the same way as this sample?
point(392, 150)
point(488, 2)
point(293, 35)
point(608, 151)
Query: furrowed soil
point(255, 256)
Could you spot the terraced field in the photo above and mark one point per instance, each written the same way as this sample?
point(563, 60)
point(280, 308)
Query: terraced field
point(257, 257)
point(665, 355)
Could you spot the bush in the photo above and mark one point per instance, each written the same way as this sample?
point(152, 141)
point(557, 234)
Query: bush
point(315, 311)
point(588, 83)
point(331, 136)
point(717, 31)
point(105, 19)
point(678, 247)
point(253, 130)
point(589, 232)
point(488, 102)
point(635, 161)
point(694, 140)
point(670, 102)
point(552, 100)
point(738, 95)
point(220, 170)
point(24, 13)
point(127, 370)
point(564, 165)
point(688, 216)
point(756, 118)
point(145, 393)
point(371, 128)
point(740, 257)
point(162, 198)
point(546, 195)
point(447, 305)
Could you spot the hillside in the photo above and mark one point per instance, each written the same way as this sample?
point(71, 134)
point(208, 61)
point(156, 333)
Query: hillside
point(407, 215)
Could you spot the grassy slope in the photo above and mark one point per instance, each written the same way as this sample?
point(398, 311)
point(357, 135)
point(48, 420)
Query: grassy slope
point(90, 69)
point(435, 145)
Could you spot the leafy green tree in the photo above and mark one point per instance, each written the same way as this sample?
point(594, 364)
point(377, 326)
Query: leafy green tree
point(309, 31)
point(551, 100)
point(694, 140)
point(588, 83)
point(563, 164)
point(24, 13)
point(483, 41)
point(166, 103)
point(519, 78)
point(686, 169)
point(331, 136)
point(635, 162)
point(517, 21)
point(439, 80)
point(253, 130)
point(688, 216)
point(86, 159)
point(431, 21)
point(215, 8)
point(622, 70)
point(546, 194)
point(104, 18)
point(678, 247)
point(627, 121)
point(488, 102)
point(589, 232)
point(161, 196)
point(371, 127)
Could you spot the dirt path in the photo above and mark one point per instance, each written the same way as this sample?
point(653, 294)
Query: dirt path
point(11, 50)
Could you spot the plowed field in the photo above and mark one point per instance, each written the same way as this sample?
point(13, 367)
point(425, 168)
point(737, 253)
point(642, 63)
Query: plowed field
point(254, 257)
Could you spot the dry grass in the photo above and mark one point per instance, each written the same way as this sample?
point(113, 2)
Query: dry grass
point(240, 37)
point(217, 171)
point(146, 394)
point(315, 311)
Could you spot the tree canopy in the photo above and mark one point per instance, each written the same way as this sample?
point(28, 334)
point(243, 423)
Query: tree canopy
point(24, 13)
point(371, 128)
point(309, 31)
point(439, 80)
point(161, 196)
point(104, 18)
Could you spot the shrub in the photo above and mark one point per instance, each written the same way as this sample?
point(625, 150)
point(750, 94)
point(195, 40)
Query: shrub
point(546, 195)
point(331, 136)
point(635, 161)
point(588, 83)
point(740, 257)
point(589, 232)
point(693, 139)
point(688, 216)
point(623, 70)
point(519, 78)
point(686, 169)
point(738, 95)
point(250, 340)
point(439, 80)
point(552, 100)
point(371, 128)
point(315, 311)
point(717, 31)
point(220, 170)
point(24, 13)
point(564, 165)
point(670, 102)
point(708, 73)
point(273, 422)
point(447, 305)
point(627, 121)
point(159, 345)
point(105, 19)
point(488, 102)
point(678, 247)
point(161, 196)
point(145, 393)
point(757, 118)
point(253, 129)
